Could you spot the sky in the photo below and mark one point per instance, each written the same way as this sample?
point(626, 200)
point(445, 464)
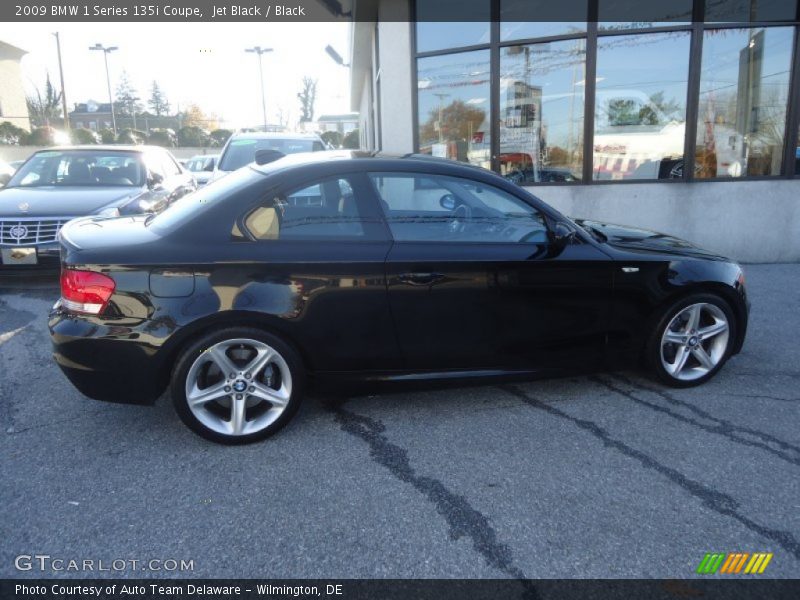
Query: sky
point(204, 63)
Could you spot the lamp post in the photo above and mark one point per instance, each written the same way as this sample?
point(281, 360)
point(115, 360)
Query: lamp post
point(259, 50)
point(106, 51)
point(61, 73)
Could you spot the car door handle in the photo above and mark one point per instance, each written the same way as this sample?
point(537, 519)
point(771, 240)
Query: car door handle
point(420, 278)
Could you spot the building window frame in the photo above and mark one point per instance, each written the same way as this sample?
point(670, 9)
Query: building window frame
point(696, 28)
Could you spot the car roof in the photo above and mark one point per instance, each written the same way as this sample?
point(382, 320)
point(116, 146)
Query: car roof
point(306, 159)
point(103, 148)
point(269, 135)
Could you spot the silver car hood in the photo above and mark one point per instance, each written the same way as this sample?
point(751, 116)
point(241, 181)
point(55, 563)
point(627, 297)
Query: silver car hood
point(60, 201)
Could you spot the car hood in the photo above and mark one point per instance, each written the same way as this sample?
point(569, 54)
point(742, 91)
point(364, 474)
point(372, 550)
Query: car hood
point(52, 201)
point(633, 238)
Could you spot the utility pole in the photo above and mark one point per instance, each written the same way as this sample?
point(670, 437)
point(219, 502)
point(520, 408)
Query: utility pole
point(106, 51)
point(259, 50)
point(441, 100)
point(61, 73)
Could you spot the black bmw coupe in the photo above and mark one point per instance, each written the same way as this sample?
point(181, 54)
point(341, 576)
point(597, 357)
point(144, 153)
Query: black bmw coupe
point(343, 266)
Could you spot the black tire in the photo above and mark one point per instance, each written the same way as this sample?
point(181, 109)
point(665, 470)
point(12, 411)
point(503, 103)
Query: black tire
point(196, 348)
point(662, 320)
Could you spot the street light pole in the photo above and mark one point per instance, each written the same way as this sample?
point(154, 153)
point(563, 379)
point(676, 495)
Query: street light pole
point(63, 90)
point(106, 51)
point(259, 50)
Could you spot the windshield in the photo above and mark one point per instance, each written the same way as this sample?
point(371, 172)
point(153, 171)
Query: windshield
point(200, 163)
point(242, 151)
point(196, 203)
point(92, 168)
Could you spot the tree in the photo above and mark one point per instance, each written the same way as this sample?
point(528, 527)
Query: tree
point(334, 138)
point(194, 116)
point(107, 135)
point(10, 134)
point(82, 135)
point(42, 136)
point(352, 140)
point(44, 109)
point(307, 97)
point(158, 102)
point(458, 122)
point(127, 102)
point(218, 137)
point(162, 137)
point(131, 136)
point(192, 136)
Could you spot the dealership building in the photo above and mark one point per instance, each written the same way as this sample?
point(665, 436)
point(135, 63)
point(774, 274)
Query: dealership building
point(680, 116)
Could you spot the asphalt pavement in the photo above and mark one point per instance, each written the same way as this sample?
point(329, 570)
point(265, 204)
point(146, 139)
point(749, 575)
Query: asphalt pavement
point(609, 475)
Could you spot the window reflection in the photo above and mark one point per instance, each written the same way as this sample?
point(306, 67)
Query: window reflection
point(541, 111)
point(521, 19)
point(453, 97)
point(640, 106)
point(744, 87)
point(635, 14)
point(742, 11)
point(436, 29)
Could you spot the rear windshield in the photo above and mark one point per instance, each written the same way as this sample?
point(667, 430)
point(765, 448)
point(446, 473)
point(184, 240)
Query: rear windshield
point(242, 151)
point(93, 168)
point(192, 205)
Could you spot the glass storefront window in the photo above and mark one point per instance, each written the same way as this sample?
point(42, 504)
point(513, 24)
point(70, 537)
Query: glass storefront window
point(524, 19)
point(454, 106)
point(797, 154)
point(640, 106)
point(541, 111)
point(436, 29)
point(635, 14)
point(743, 11)
point(744, 88)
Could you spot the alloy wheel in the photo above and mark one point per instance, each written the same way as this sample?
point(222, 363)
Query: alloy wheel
point(695, 341)
point(238, 387)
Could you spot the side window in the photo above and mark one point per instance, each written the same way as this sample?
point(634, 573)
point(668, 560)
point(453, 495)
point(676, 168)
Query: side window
point(170, 167)
point(155, 165)
point(433, 208)
point(327, 210)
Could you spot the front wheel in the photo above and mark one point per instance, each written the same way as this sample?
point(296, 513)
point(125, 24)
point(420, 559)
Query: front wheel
point(692, 340)
point(237, 385)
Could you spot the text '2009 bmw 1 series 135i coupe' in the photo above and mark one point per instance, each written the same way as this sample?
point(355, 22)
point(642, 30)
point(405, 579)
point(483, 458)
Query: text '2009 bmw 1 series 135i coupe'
point(343, 266)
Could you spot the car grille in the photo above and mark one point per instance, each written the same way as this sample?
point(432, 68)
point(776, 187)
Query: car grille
point(29, 232)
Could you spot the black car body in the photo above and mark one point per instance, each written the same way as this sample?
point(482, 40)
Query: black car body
point(59, 184)
point(308, 250)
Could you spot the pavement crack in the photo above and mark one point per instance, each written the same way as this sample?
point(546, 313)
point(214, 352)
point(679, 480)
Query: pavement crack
point(461, 517)
point(735, 433)
point(712, 499)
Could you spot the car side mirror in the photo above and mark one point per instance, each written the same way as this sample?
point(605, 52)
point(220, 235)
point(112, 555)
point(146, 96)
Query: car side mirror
point(448, 202)
point(155, 180)
point(562, 234)
point(267, 156)
point(4, 178)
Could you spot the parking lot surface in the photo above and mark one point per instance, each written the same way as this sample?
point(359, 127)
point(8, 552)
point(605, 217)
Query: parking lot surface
point(610, 475)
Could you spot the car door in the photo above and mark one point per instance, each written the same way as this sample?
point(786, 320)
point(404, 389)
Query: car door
point(475, 282)
point(322, 245)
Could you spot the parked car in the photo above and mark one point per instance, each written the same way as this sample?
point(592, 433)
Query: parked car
point(16, 164)
point(63, 183)
point(241, 148)
point(402, 268)
point(201, 167)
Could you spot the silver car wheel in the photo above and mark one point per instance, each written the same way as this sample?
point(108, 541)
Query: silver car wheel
point(695, 341)
point(238, 387)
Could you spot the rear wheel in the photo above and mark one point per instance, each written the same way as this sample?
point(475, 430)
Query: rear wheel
point(692, 340)
point(237, 385)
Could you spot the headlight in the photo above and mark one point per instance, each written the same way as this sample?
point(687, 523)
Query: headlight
point(109, 212)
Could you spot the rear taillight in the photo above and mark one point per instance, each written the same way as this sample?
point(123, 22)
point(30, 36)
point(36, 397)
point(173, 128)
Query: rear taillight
point(85, 291)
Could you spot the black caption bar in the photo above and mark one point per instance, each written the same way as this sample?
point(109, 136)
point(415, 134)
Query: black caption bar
point(396, 589)
point(650, 12)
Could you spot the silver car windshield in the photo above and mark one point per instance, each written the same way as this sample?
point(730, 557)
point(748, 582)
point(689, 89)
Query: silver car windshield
point(85, 168)
point(242, 151)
